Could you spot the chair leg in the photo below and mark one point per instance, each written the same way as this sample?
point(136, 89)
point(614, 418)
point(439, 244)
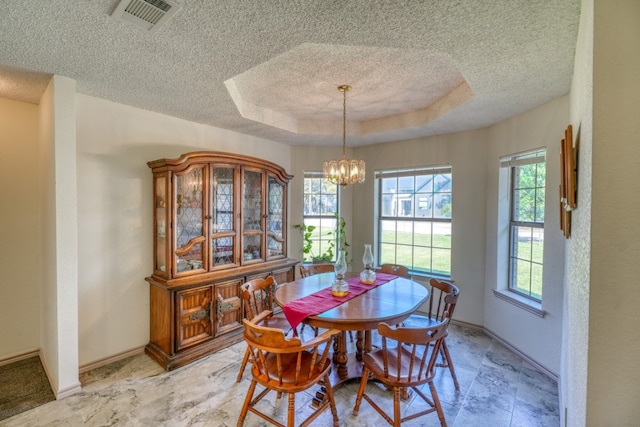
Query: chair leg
point(247, 401)
point(291, 410)
point(436, 402)
point(332, 402)
point(245, 360)
point(447, 356)
point(396, 407)
point(363, 385)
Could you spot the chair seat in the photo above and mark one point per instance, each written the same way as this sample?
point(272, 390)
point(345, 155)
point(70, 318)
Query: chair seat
point(277, 321)
point(287, 381)
point(421, 321)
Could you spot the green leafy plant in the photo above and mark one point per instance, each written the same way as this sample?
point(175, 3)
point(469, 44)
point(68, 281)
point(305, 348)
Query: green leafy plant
point(337, 235)
point(306, 231)
point(340, 236)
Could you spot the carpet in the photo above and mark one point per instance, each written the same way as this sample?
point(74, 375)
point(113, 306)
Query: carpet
point(23, 386)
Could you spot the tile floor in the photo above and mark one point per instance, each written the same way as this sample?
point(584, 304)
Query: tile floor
point(497, 388)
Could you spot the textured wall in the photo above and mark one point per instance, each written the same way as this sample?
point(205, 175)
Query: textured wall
point(57, 167)
point(573, 379)
point(614, 299)
point(539, 338)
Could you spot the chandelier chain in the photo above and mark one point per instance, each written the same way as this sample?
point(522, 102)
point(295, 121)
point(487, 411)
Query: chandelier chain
point(344, 121)
point(344, 172)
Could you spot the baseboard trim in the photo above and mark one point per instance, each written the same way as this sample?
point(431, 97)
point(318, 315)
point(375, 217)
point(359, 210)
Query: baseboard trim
point(69, 391)
point(58, 393)
point(113, 358)
point(524, 356)
point(19, 357)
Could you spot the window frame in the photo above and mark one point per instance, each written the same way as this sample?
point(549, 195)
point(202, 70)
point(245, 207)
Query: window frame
point(323, 244)
point(513, 162)
point(432, 220)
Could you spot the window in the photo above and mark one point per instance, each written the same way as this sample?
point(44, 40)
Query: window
point(414, 219)
point(320, 213)
point(526, 222)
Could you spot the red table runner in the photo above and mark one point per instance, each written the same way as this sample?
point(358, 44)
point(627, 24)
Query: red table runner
point(298, 310)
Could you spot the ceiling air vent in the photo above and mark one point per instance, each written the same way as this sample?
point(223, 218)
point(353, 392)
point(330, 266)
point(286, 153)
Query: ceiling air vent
point(146, 14)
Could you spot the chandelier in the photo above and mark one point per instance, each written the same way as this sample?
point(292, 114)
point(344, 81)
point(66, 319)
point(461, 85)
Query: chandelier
point(344, 171)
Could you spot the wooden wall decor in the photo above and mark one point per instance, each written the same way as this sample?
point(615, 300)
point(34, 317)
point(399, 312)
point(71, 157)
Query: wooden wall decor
point(567, 181)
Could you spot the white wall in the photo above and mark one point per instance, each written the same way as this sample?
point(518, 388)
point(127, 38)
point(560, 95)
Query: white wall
point(575, 334)
point(114, 144)
point(539, 338)
point(466, 153)
point(614, 298)
point(59, 308)
point(20, 255)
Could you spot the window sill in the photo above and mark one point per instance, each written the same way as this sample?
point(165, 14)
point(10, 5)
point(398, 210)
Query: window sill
point(521, 302)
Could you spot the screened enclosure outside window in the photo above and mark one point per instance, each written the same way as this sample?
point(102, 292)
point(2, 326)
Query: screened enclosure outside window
point(320, 209)
point(414, 222)
point(526, 237)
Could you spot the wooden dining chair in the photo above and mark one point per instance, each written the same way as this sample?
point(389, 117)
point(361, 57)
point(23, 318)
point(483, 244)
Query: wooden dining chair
point(311, 269)
point(287, 365)
point(443, 298)
point(395, 269)
point(406, 360)
point(258, 296)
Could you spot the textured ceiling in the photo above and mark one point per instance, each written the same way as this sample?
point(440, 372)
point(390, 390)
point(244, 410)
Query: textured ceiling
point(271, 68)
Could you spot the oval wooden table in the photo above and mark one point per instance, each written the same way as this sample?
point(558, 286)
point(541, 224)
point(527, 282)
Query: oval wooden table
point(392, 302)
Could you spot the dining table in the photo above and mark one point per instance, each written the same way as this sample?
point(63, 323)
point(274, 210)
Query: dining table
point(391, 302)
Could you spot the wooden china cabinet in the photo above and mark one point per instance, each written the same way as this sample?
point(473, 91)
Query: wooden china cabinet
point(220, 219)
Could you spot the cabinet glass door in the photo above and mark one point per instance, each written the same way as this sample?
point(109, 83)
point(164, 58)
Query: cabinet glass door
point(275, 219)
point(252, 216)
point(223, 233)
point(160, 200)
point(189, 235)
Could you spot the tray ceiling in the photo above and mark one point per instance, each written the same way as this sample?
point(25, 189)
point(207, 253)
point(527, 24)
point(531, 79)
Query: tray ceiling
point(271, 69)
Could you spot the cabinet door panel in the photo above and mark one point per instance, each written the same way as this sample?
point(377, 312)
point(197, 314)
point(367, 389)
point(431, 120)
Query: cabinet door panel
point(223, 214)
point(228, 306)
point(252, 216)
point(194, 316)
point(189, 219)
point(160, 219)
point(275, 219)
